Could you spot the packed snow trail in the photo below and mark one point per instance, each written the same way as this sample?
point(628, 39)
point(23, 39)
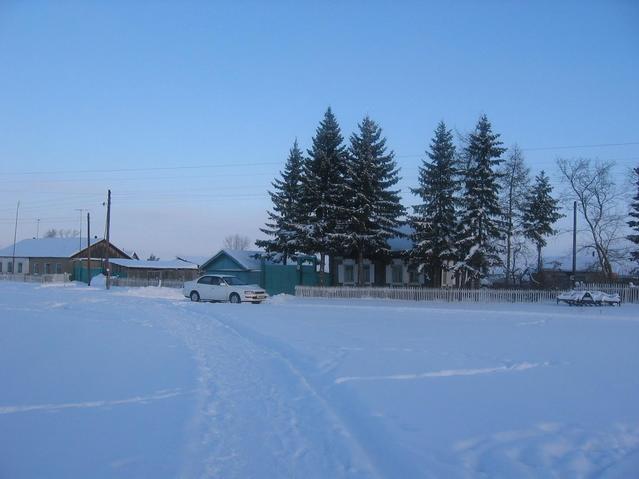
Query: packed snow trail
point(257, 413)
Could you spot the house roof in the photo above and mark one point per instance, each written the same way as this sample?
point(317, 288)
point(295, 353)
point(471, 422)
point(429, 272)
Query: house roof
point(248, 260)
point(141, 264)
point(47, 247)
point(196, 260)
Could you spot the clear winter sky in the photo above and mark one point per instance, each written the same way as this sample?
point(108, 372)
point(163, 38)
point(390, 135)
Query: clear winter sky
point(130, 95)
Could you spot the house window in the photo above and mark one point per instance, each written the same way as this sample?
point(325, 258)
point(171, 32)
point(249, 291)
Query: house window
point(58, 268)
point(19, 267)
point(413, 275)
point(47, 268)
point(35, 269)
point(397, 271)
point(0, 266)
point(349, 273)
point(9, 267)
point(367, 273)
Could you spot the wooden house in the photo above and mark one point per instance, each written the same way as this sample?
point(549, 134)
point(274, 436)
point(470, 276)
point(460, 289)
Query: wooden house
point(46, 256)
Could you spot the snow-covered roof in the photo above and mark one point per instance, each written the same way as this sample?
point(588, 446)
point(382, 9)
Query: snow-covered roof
point(249, 260)
point(47, 247)
point(168, 264)
point(196, 260)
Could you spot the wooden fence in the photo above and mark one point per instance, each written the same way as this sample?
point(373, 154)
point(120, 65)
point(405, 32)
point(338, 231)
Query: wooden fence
point(35, 278)
point(143, 282)
point(449, 295)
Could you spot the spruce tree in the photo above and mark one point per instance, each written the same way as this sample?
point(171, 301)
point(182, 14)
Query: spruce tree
point(481, 215)
point(540, 214)
point(634, 223)
point(283, 221)
point(433, 223)
point(324, 192)
point(373, 209)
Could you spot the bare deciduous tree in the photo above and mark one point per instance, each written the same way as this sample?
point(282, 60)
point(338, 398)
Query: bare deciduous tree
point(61, 233)
point(514, 182)
point(589, 183)
point(236, 241)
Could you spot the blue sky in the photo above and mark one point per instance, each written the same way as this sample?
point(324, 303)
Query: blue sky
point(227, 87)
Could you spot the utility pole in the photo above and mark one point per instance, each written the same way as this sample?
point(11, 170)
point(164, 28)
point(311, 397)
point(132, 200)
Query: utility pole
point(108, 244)
point(15, 233)
point(574, 242)
point(38, 228)
point(81, 210)
point(88, 248)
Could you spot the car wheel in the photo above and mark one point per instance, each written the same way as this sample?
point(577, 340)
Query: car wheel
point(234, 298)
point(195, 296)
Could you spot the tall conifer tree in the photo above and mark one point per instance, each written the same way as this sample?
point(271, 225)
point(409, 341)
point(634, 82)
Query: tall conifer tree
point(374, 208)
point(634, 223)
point(540, 214)
point(433, 222)
point(283, 221)
point(324, 191)
point(481, 216)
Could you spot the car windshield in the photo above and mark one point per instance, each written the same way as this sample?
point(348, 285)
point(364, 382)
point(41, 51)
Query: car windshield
point(233, 281)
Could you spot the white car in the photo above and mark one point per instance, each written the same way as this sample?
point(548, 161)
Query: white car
point(221, 287)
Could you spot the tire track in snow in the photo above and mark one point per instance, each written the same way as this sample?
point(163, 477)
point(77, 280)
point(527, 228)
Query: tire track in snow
point(157, 396)
point(444, 373)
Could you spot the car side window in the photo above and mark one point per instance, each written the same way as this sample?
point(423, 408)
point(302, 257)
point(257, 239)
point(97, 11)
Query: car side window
point(215, 281)
point(205, 280)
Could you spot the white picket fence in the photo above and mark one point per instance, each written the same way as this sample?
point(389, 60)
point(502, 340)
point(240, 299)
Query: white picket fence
point(447, 295)
point(35, 278)
point(628, 294)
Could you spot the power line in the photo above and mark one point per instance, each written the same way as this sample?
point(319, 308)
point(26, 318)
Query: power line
point(151, 168)
point(270, 163)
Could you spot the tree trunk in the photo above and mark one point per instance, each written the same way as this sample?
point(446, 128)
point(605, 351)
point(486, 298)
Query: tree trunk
point(508, 255)
point(539, 262)
point(436, 277)
point(322, 262)
point(360, 267)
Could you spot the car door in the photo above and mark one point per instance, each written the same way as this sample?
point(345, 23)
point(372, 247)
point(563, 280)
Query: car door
point(218, 291)
point(204, 288)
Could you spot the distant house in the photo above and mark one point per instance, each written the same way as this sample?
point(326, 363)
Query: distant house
point(245, 265)
point(393, 270)
point(172, 270)
point(52, 255)
point(253, 267)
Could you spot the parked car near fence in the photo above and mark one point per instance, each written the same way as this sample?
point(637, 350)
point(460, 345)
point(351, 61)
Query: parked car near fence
point(218, 287)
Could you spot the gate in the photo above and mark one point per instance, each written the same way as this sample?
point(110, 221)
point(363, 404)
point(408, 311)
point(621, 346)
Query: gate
point(279, 278)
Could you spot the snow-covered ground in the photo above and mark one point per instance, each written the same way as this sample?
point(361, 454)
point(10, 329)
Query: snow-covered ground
point(142, 383)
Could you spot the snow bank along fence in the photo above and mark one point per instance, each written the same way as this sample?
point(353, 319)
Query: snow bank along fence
point(36, 278)
point(630, 295)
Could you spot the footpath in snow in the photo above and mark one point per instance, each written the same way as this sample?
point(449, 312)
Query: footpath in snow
point(143, 383)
